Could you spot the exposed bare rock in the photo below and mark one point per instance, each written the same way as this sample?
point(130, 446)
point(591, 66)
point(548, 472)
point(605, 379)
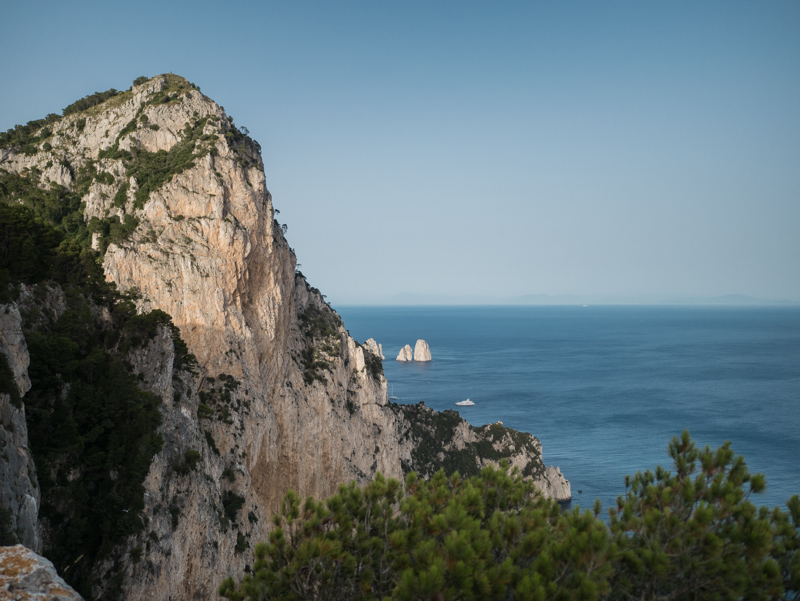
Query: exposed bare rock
point(376, 348)
point(12, 344)
point(405, 354)
point(421, 351)
point(19, 492)
point(553, 484)
point(26, 576)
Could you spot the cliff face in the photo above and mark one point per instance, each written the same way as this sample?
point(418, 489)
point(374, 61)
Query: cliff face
point(19, 492)
point(282, 397)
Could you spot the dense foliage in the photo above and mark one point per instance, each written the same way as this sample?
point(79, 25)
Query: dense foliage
point(56, 205)
point(89, 101)
point(692, 534)
point(26, 137)
point(320, 327)
point(91, 430)
point(62, 208)
point(32, 251)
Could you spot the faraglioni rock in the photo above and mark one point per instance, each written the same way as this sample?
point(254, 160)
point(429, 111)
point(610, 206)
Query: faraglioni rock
point(421, 351)
point(405, 354)
point(375, 348)
point(278, 396)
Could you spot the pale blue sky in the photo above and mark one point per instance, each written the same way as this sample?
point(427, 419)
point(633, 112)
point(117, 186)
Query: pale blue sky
point(478, 150)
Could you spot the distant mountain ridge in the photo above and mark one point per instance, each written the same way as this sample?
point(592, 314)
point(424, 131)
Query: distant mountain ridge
point(575, 299)
point(413, 299)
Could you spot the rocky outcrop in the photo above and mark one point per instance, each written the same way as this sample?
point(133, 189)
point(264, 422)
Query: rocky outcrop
point(421, 351)
point(282, 397)
point(553, 484)
point(405, 354)
point(375, 348)
point(446, 441)
point(19, 491)
point(12, 344)
point(26, 576)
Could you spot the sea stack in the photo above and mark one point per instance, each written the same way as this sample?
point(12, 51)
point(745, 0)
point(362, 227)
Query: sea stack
point(405, 354)
point(375, 348)
point(421, 351)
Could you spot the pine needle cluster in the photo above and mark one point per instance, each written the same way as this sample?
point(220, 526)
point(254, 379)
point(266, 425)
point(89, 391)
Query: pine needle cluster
point(689, 534)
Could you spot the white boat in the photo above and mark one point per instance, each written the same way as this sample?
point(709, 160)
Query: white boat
point(392, 397)
point(466, 403)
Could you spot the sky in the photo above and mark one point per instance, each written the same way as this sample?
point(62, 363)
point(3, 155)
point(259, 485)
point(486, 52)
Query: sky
point(437, 151)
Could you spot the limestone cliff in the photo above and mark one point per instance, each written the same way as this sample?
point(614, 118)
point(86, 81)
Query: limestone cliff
point(282, 397)
point(19, 492)
point(26, 576)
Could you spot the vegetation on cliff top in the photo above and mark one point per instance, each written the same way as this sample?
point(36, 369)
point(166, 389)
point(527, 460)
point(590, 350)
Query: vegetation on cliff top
point(427, 429)
point(25, 137)
point(63, 208)
point(691, 534)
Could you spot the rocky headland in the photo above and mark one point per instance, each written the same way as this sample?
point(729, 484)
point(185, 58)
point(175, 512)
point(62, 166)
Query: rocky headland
point(244, 382)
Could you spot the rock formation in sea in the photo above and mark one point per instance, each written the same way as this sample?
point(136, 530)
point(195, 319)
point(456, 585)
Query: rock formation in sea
point(376, 348)
point(405, 354)
point(421, 351)
point(280, 397)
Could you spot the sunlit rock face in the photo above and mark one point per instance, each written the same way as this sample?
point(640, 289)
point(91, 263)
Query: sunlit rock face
point(375, 348)
point(282, 398)
point(405, 354)
point(421, 351)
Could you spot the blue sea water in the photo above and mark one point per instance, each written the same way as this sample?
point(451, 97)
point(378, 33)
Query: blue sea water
point(604, 388)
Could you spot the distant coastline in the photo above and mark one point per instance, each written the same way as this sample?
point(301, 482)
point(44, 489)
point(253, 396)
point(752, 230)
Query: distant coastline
point(727, 300)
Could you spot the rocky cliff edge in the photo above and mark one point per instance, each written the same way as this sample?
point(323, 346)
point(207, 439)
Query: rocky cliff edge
point(175, 198)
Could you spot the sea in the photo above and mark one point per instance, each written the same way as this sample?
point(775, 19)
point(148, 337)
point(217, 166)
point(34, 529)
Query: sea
point(605, 388)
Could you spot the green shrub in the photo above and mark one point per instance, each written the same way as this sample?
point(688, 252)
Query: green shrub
point(692, 535)
point(374, 365)
point(190, 460)
point(86, 415)
point(32, 250)
point(241, 544)
point(232, 504)
point(104, 177)
point(210, 441)
point(60, 208)
point(89, 101)
point(25, 137)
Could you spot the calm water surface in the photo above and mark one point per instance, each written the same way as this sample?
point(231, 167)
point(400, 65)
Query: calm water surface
point(605, 388)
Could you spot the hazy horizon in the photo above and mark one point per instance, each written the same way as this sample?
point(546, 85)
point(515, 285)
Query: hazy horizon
point(479, 151)
point(422, 300)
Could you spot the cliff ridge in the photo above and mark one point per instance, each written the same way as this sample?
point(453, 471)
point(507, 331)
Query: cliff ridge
point(172, 197)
